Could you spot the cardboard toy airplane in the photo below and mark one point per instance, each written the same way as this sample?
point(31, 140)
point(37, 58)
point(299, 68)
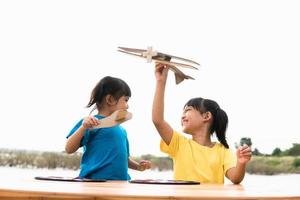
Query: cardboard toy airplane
point(163, 58)
point(116, 118)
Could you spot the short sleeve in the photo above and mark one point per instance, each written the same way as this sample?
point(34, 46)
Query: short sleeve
point(173, 147)
point(86, 135)
point(229, 159)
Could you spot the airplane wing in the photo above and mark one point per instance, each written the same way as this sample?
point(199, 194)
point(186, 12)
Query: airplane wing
point(131, 53)
point(132, 49)
point(164, 59)
point(175, 63)
point(178, 58)
point(159, 56)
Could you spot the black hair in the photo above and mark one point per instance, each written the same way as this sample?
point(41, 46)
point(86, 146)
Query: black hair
point(220, 119)
point(108, 86)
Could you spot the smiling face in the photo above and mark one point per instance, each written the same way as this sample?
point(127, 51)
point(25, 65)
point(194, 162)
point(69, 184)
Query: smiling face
point(192, 120)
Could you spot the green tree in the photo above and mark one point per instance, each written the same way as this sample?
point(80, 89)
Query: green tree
point(295, 150)
point(296, 162)
point(256, 152)
point(276, 152)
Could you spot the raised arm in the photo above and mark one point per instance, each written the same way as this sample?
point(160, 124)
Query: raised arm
point(73, 142)
point(163, 128)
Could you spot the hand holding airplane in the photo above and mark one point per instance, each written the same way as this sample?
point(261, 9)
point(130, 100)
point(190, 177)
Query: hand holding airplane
point(163, 58)
point(116, 118)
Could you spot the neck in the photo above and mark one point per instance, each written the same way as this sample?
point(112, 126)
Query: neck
point(104, 113)
point(202, 137)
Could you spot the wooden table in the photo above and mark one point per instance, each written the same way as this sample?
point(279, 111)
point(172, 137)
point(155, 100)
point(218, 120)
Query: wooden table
point(117, 190)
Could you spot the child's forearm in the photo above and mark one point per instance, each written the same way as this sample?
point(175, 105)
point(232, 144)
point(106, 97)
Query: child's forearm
point(158, 103)
point(73, 142)
point(133, 164)
point(163, 128)
point(236, 174)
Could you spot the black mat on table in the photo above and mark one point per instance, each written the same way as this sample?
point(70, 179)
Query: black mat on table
point(71, 179)
point(166, 182)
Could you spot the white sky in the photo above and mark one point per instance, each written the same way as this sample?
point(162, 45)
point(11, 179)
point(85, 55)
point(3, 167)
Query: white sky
point(52, 53)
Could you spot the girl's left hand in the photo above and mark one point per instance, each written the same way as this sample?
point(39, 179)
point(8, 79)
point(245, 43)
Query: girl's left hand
point(243, 154)
point(144, 164)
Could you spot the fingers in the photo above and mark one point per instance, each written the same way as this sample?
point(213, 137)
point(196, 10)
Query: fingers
point(90, 122)
point(244, 154)
point(161, 71)
point(158, 64)
point(144, 164)
point(160, 67)
point(245, 150)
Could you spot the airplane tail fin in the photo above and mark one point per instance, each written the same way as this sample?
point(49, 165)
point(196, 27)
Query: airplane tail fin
point(178, 78)
point(179, 75)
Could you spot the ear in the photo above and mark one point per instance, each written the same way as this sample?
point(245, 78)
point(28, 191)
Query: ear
point(207, 116)
point(110, 100)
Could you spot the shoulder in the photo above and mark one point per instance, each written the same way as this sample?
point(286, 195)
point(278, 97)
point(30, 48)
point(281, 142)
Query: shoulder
point(218, 145)
point(122, 129)
point(221, 147)
point(179, 136)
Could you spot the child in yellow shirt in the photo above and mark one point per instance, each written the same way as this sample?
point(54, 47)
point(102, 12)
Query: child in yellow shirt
point(198, 159)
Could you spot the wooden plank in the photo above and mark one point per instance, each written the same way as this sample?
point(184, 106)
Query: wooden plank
point(117, 190)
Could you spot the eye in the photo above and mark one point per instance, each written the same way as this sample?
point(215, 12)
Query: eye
point(186, 110)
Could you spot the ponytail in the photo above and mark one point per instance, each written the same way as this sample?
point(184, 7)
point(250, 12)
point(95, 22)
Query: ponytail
point(219, 125)
point(97, 96)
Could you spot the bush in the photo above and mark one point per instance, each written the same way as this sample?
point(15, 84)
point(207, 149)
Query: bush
point(296, 162)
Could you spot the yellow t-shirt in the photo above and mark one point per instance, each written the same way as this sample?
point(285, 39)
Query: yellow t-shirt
point(194, 162)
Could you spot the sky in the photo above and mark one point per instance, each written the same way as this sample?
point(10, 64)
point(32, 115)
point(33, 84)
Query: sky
point(52, 54)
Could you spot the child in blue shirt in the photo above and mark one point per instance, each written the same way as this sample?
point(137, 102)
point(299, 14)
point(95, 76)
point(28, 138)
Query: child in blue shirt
point(105, 150)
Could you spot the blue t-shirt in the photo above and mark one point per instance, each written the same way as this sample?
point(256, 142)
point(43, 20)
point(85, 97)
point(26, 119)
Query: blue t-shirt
point(105, 153)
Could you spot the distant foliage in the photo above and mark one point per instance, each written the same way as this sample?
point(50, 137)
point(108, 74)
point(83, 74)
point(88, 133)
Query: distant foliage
point(52, 160)
point(273, 165)
point(276, 152)
point(268, 165)
point(296, 163)
point(160, 163)
point(256, 152)
point(293, 151)
point(36, 159)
